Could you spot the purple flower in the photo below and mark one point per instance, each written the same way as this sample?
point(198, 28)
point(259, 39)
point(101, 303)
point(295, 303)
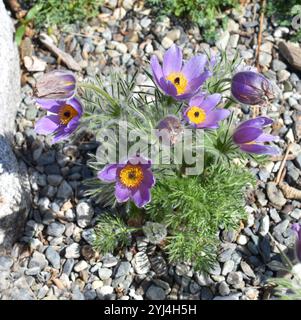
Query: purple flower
point(202, 113)
point(252, 88)
point(63, 118)
point(133, 179)
point(250, 137)
point(57, 84)
point(297, 228)
point(177, 81)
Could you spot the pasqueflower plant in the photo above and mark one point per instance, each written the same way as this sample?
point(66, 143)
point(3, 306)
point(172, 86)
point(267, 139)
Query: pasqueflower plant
point(180, 173)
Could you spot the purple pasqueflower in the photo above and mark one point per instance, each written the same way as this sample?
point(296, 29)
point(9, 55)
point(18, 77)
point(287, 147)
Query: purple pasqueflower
point(133, 180)
point(201, 112)
point(57, 84)
point(63, 118)
point(250, 137)
point(251, 88)
point(175, 80)
point(297, 228)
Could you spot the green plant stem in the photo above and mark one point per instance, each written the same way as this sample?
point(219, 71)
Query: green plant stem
point(285, 257)
point(102, 92)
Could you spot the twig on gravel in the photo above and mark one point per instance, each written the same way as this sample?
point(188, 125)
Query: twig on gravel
point(280, 158)
point(262, 5)
point(290, 192)
point(279, 174)
point(65, 57)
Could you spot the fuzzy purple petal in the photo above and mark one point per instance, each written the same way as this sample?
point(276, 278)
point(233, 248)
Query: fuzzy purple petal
point(297, 228)
point(265, 137)
point(149, 179)
point(195, 84)
point(258, 122)
point(47, 125)
point(245, 135)
point(172, 60)
point(259, 149)
point(196, 100)
point(211, 101)
point(214, 117)
point(141, 196)
point(156, 70)
point(122, 193)
point(76, 104)
point(60, 134)
point(57, 84)
point(168, 87)
point(49, 104)
point(194, 67)
point(108, 173)
point(250, 87)
point(72, 125)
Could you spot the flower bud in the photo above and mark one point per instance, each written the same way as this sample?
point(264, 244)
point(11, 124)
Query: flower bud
point(251, 88)
point(170, 129)
point(57, 84)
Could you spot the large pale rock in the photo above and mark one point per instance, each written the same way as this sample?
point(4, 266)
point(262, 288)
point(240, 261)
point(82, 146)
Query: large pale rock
point(14, 186)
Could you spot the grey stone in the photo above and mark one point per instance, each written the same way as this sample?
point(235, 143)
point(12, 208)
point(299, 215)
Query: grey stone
point(223, 289)
point(5, 263)
point(80, 266)
point(104, 273)
point(109, 261)
point(278, 65)
point(275, 195)
point(37, 260)
point(155, 232)
point(155, 293)
point(283, 75)
point(53, 257)
point(68, 266)
point(296, 214)
point(55, 229)
point(84, 213)
point(281, 227)
point(64, 191)
point(228, 267)
point(72, 251)
point(264, 225)
point(123, 269)
point(234, 278)
point(233, 296)
point(89, 236)
point(274, 215)
point(32, 271)
point(247, 269)
point(104, 291)
point(141, 263)
point(216, 269)
point(206, 294)
point(145, 22)
point(54, 179)
point(265, 59)
point(14, 185)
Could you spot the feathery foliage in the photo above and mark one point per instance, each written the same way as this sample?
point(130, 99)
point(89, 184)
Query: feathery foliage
point(110, 233)
point(194, 208)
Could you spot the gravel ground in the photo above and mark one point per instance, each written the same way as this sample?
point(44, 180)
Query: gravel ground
point(55, 260)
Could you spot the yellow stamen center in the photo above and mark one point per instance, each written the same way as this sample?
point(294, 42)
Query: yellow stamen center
point(179, 81)
point(196, 115)
point(66, 114)
point(131, 176)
